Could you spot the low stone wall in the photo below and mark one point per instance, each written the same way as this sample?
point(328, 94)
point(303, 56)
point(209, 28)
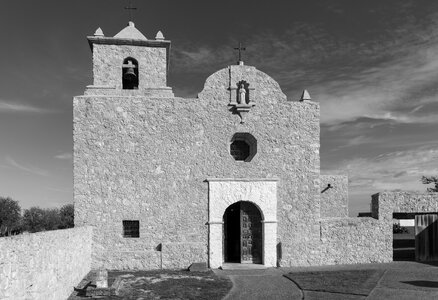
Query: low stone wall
point(383, 205)
point(355, 240)
point(334, 200)
point(45, 265)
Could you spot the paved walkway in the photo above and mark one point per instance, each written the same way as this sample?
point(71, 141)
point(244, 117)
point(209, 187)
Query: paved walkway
point(400, 280)
point(260, 284)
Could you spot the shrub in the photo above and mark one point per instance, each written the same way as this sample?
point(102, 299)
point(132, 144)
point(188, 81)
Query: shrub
point(396, 228)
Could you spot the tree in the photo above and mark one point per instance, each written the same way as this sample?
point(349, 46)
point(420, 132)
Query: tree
point(33, 219)
point(40, 219)
point(430, 179)
point(52, 220)
point(37, 219)
point(67, 214)
point(10, 216)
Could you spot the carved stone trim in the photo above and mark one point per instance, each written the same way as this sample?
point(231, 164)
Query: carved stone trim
point(225, 192)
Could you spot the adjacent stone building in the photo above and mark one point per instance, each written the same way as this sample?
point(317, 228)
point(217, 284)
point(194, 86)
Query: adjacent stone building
point(230, 176)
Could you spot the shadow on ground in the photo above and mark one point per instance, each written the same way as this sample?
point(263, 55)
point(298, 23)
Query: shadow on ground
point(160, 284)
point(397, 280)
point(348, 284)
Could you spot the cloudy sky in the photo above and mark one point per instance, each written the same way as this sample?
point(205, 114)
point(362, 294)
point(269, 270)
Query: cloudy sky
point(372, 65)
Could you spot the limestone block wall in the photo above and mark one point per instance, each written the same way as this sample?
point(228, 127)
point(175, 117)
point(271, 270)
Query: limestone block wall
point(384, 204)
point(355, 240)
point(108, 60)
point(45, 265)
point(291, 140)
point(147, 159)
point(182, 255)
point(334, 200)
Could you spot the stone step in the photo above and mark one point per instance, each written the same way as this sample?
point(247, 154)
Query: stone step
point(238, 266)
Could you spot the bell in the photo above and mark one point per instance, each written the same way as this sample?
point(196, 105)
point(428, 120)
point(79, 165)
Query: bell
point(129, 74)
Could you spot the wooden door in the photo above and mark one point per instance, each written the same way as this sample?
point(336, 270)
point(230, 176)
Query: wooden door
point(250, 233)
point(426, 237)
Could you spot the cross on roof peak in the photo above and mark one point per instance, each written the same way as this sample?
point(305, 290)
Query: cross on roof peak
point(130, 8)
point(240, 48)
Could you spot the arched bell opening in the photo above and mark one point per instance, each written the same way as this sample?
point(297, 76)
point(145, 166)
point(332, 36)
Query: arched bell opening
point(130, 74)
point(242, 233)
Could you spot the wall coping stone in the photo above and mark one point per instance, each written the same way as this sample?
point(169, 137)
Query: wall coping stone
point(243, 179)
point(124, 41)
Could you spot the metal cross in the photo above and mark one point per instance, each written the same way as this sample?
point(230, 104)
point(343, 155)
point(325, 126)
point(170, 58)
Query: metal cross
point(240, 48)
point(130, 8)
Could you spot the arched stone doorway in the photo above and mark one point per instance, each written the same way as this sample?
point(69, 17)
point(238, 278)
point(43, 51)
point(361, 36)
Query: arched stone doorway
point(225, 192)
point(243, 240)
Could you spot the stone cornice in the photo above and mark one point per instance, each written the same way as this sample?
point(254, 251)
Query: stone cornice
point(120, 41)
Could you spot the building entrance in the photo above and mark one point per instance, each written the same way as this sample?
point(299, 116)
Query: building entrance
point(242, 233)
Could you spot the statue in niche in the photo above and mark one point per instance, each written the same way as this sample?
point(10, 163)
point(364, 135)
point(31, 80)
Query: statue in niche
point(242, 93)
point(242, 104)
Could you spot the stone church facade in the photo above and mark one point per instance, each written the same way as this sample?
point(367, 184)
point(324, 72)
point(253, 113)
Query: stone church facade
point(230, 176)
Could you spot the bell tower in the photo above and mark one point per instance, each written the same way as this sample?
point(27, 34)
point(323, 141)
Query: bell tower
point(129, 64)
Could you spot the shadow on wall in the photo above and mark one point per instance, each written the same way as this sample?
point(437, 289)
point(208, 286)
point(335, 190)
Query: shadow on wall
point(426, 242)
point(279, 254)
point(422, 283)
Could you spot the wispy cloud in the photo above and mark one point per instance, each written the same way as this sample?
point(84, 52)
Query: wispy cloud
point(66, 156)
point(387, 75)
point(29, 169)
point(9, 107)
point(417, 108)
point(356, 141)
point(198, 58)
point(407, 118)
point(398, 170)
point(380, 92)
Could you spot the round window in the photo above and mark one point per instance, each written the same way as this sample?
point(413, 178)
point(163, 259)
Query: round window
point(243, 146)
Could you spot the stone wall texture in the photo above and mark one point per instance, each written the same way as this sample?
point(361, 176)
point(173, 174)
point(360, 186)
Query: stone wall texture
point(384, 204)
point(108, 60)
point(334, 201)
point(147, 159)
point(165, 161)
point(44, 265)
point(355, 240)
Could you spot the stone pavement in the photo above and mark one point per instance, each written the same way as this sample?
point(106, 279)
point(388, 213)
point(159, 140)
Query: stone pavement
point(260, 284)
point(400, 280)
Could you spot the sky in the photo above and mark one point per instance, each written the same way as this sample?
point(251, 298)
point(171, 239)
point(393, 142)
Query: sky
point(372, 65)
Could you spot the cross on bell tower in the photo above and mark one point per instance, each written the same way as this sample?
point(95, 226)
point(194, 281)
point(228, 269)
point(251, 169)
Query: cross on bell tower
point(130, 8)
point(240, 48)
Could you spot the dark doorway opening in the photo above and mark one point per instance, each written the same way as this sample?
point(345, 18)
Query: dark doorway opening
point(415, 236)
point(242, 233)
point(403, 244)
point(426, 237)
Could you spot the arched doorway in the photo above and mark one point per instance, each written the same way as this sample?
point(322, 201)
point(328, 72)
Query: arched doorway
point(242, 233)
